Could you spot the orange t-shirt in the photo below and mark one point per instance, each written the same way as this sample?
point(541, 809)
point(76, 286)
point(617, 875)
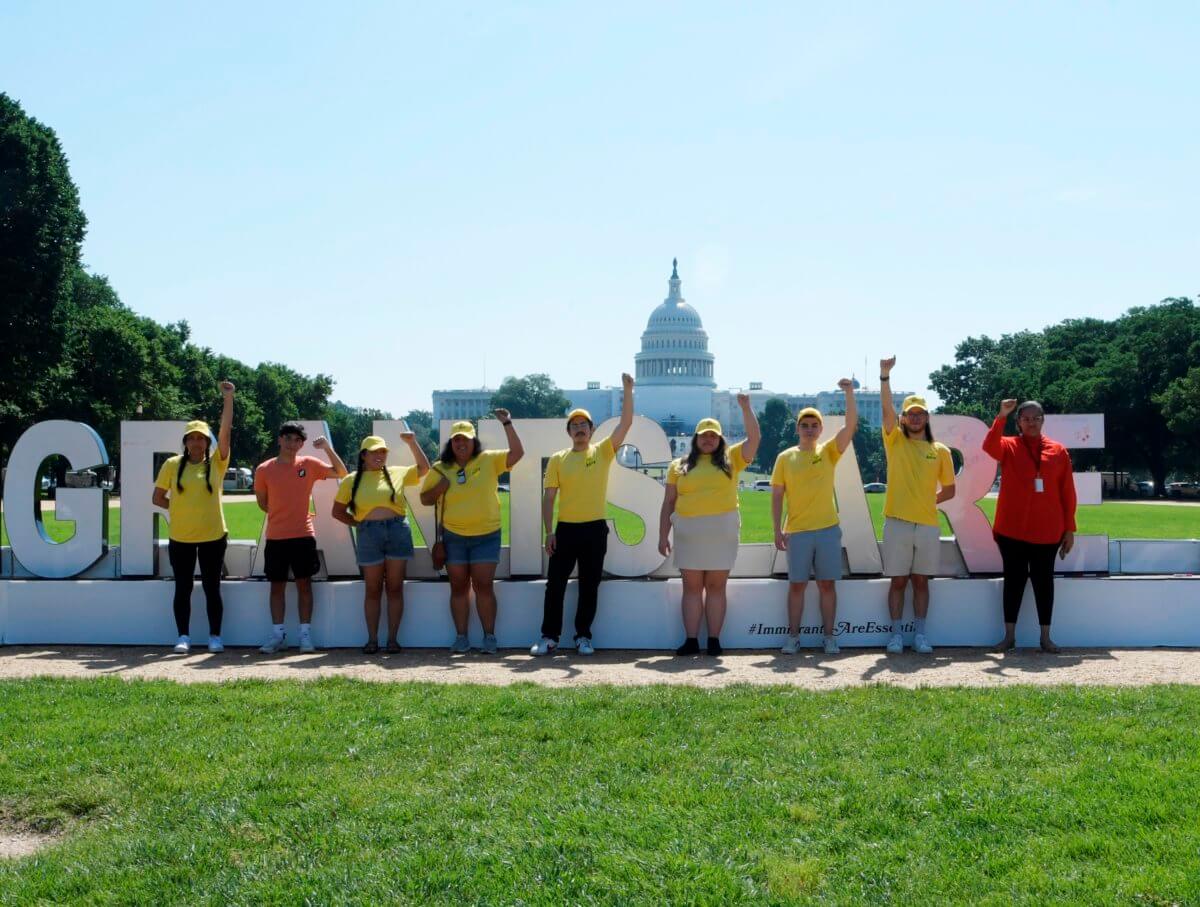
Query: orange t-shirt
point(289, 490)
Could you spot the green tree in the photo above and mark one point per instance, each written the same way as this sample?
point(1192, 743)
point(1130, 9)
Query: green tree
point(868, 448)
point(531, 397)
point(41, 231)
point(1134, 369)
point(421, 423)
point(348, 425)
point(778, 432)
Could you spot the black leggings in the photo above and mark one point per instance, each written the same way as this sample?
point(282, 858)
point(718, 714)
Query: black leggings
point(585, 544)
point(1027, 561)
point(183, 557)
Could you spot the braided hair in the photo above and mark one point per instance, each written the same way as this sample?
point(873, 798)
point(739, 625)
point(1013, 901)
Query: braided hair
point(358, 474)
point(718, 458)
point(207, 470)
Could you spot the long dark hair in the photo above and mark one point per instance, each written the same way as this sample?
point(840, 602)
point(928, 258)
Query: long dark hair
point(718, 458)
point(358, 474)
point(207, 470)
point(928, 430)
point(447, 455)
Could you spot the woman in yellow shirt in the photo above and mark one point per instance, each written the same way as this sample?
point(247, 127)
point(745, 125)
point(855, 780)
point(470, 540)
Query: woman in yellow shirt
point(189, 488)
point(465, 479)
point(701, 505)
point(372, 499)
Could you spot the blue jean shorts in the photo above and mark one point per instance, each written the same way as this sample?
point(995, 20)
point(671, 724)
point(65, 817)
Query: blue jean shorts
point(383, 540)
point(472, 549)
point(815, 553)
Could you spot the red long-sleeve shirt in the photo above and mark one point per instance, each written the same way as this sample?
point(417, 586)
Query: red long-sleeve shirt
point(1023, 513)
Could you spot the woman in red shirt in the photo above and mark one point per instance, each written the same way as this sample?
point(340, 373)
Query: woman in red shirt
point(1035, 515)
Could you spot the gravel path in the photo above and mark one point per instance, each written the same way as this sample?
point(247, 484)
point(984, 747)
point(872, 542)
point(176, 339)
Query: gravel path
point(946, 667)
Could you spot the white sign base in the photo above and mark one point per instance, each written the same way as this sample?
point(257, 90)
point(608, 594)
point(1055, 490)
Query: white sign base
point(633, 614)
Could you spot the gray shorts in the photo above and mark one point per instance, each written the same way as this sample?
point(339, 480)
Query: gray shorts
point(911, 548)
point(816, 553)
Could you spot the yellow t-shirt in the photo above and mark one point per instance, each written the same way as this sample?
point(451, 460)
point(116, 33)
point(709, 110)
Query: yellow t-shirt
point(193, 514)
point(705, 490)
point(373, 490)
point(807, 479)
point(582, 480)
point(915, 469)
point(472, 506)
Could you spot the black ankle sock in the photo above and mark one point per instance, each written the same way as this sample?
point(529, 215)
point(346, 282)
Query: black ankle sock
point(714, 645)
point(691, 646)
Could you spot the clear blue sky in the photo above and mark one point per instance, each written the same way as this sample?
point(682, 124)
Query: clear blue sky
point(389, 192)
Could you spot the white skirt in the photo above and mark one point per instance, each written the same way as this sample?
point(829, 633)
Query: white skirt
point(706, 542)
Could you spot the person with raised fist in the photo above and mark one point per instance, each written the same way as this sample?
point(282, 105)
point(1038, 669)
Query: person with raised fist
point(463, 484)
point(189, 487)
point(1035, 513)
point(577, 480)
point(803, 477)
point(371, 499)
point(283, 487)
point(920, 477)
point(700, 510)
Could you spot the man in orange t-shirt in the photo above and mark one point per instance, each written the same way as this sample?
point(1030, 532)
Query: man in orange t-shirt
point(283, 486)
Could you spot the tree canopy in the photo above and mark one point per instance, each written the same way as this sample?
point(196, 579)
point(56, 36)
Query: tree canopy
point(532, 397)
point(1138, 369)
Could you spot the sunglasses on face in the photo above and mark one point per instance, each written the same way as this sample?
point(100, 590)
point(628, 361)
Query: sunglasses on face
point(461, 477)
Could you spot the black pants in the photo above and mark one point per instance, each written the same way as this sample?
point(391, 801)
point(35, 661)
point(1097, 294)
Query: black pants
point(585, 544)
point(1027, 561)
point(183, 561)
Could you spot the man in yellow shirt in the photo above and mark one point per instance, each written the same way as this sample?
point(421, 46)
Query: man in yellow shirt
point(803, 476)
point(577, 478)
point(920, 477)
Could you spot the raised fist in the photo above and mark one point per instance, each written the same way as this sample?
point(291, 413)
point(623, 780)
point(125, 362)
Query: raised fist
point(743, 400)
point(886, 366)
point(502, 415)
point(1006, 408)
point(626, 380)
point(321, 443)
point(846, 385)
point(408, 436)
point(227, 388)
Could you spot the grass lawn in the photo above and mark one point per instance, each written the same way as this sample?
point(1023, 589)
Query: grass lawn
point(1116, 519)
point(340, 792)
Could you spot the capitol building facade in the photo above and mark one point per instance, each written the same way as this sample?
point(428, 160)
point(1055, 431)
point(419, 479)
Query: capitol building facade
point(676, 384)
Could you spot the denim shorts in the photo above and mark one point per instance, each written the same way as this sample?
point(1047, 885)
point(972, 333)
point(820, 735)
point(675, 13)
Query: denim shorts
point(815, 553)
point(384, 540)
point(472, 549)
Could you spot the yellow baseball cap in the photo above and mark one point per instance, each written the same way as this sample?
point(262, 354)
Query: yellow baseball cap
point(197, 425)
point(810, 411)
point(708, 425)
point(373, 442)
point(464, 428)
point(578, 414)
point(914, 402)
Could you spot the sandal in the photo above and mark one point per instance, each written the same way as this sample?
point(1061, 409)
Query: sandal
point(371, 648)
point(393, 648)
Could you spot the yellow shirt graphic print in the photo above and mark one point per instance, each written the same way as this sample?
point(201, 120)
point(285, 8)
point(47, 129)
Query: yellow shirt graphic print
point(581, 478)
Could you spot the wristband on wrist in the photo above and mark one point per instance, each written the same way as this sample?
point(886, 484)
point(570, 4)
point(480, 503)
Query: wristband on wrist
point(885, 378)
point(506, 424)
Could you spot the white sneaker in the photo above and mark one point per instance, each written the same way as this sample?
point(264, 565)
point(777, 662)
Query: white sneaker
point(792, 646)
point(584, 646)
point(183, 646)
point(489, 646)
point(921, 645)
point(896, 644)
point(273, 644)
point(831, 647)
point(543, 647)
point(306, 643)
point(461, 644)
point(215, 645)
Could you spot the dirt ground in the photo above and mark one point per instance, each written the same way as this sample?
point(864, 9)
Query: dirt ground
point(811, 670)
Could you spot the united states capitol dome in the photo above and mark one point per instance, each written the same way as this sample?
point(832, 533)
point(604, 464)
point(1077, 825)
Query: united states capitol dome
point(674, 344)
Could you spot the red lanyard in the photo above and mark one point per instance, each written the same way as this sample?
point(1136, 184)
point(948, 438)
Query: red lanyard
point(1037, 460)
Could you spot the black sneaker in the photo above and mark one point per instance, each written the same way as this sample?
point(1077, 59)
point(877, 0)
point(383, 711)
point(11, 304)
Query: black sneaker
point(714, 646)
point(691, 646)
